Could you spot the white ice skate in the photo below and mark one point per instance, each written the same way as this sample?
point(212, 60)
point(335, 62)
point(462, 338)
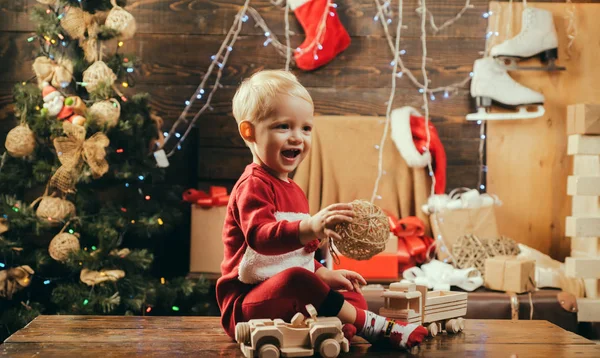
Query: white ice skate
point(491, 82)
point(536, 39)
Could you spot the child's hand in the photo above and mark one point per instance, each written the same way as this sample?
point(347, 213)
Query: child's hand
point(343, 279)
point(322, 223)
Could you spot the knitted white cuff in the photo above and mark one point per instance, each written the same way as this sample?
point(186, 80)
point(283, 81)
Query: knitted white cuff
point(294, 4)
point(402, 137)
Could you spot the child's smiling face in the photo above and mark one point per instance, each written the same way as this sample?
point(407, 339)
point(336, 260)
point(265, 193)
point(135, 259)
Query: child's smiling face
point(282, 141)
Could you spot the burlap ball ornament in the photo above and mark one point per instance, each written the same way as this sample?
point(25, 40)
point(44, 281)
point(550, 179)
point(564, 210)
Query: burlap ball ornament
point(120, 20)
point(471, 251)
point(106, 112)
point(20, 141)
point(54, 209)
point(98, 73)
point(366, 235)
point(62, 244)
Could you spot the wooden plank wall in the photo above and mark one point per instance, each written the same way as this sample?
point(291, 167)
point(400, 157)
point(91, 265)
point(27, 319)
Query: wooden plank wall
point(176, 38)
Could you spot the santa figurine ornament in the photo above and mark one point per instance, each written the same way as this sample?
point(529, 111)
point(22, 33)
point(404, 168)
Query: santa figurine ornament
point(326, 37)
point(54, 105)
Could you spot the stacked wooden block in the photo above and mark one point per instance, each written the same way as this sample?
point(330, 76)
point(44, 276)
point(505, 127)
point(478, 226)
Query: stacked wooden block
point(583, 226)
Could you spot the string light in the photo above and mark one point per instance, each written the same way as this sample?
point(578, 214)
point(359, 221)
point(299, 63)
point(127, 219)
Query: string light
point(120, 150)
point(46, 282)
point(162, 280)
point(133, 221)
point(147, 197)
point(120, 44)
point(175, 308)
point(30, 39)
point(2, 265)
point(71, 231)
point(148, 309)
point(85, 302)
point(141, 177)
point(125, 84)
point(160, 221)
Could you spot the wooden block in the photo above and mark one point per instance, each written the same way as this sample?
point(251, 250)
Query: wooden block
point(585, 246)
point(583, 144)
point(583, 226)
point(583, 118)
point(583, 267)
point(583, 185)
point(588, 310)
point(592, 287)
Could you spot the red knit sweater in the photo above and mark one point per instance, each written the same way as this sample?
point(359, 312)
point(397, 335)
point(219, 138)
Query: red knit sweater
point(261, 238)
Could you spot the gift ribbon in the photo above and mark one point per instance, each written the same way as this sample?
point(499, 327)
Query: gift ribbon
point(216, 196)
point(440, 276)
point(413, 246)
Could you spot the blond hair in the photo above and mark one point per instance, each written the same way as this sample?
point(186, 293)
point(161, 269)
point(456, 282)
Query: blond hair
point(255, 99)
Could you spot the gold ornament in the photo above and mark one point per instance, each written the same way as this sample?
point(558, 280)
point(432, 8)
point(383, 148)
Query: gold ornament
point(14, 279)
point(106, 112)
point(62, 244)
point(54, 209)
point(122, 21)
point(72, 149)
point(76, 104)
point(97, 73)
point(20, 141)
point(3, 226)
point(57, 73)
point(366, 235)
point(92, 278)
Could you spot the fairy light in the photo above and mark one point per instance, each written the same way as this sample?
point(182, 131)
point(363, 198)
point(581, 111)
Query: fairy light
point(46, 282)
point(93, 248)
point(175, 308)
point(160, 221)
point(85, 302)
point(30, 39)
point(148, 309)
point(120, 44)
point(147, 197)
point(71, 231)
point(2, 265)
point(125, 84)
point(120, 150)
point(162, 280)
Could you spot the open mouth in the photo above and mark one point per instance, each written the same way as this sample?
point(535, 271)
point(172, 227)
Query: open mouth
point(291, 153)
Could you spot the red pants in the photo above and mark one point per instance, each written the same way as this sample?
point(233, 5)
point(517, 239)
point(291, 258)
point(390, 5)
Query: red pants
point(288, 292)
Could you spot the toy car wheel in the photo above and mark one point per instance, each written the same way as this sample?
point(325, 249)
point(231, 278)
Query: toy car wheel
point(268, 351)
point(432, 329)
point(329, 348)
point(452, 326)
point(242, 332)
point(461, 323)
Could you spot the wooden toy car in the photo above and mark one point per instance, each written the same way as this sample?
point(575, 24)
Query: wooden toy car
point(436, 310)
point(301, 337)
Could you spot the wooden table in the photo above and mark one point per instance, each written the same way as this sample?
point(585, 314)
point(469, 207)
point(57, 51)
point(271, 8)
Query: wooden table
point(118, 336)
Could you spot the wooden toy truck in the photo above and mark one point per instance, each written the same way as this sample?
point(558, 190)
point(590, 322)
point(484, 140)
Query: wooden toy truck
point(436, 310)
point(301, 337)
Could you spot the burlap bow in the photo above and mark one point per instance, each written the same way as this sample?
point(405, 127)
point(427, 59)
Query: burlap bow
point(83, 26)
point(14, 279)
point(54, 72)
point(74, 147)
point(92, 278)
point(3, 226)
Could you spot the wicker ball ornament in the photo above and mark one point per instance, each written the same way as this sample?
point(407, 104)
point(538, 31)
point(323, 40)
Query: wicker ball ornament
point(366, 235)
point(20, 141)
point(106, 112)
point(55, 209)
point(98, 73)
point(122, 21)
point(62, 244)
point(471, 251)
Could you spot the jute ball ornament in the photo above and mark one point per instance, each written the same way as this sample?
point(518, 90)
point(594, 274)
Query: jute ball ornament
point(122, 21)
point(106, 112)
point(20, 141)
point(55, 209)
point(74, 22)
point(62, 244)
point(366, 235)
point(97, 73)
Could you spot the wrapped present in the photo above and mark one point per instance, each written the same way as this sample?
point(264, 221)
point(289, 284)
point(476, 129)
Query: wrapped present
point(382, 267)
point(450, 225)
point(510, 274)
point(208, 217)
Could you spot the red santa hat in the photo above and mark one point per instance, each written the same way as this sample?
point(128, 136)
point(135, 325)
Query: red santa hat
point(49, 92)
point(410, 136)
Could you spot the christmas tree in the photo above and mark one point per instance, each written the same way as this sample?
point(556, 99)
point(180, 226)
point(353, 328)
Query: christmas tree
point(82, 200)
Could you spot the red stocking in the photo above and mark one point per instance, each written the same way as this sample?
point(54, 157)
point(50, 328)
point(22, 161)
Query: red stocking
point(320, 45)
